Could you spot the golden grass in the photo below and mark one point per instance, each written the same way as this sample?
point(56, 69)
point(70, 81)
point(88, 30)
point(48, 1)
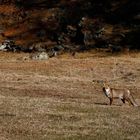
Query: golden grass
point(56, 99)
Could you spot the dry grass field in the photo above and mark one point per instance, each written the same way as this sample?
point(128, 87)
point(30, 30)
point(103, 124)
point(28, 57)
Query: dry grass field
point(56, 99)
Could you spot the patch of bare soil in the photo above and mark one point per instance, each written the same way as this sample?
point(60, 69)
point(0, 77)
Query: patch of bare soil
point(56, 99)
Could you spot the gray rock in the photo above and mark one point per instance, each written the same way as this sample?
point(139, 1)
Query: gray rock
point(3, 47)
point(40, 56)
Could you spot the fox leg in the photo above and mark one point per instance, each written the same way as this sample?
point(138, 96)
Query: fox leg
point(133, 102)
point(123, 100)
point(130, 102)
point(111, 100)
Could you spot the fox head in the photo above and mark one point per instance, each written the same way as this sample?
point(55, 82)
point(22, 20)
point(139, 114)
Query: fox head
point(101, 83)
point(105, 87)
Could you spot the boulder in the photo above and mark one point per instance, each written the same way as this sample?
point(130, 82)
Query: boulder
point(40, 56)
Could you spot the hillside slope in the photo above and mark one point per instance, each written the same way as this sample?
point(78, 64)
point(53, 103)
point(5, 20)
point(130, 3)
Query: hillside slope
point(28, 23)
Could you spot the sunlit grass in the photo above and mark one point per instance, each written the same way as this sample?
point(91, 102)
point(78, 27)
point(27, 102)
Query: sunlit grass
point(56, 99)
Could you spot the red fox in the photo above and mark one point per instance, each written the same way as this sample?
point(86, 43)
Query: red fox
point(123, 94)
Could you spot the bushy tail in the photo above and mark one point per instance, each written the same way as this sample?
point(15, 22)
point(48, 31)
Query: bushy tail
point(133, 102)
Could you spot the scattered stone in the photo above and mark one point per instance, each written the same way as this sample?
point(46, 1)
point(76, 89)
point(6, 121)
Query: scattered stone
point(39, 56)
point(3, 47)
point(9, 45)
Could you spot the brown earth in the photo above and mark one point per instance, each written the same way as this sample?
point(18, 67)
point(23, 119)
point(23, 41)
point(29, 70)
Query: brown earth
point(56, 99)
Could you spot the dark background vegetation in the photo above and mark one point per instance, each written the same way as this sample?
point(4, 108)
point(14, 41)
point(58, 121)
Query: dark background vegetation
point(107, 24)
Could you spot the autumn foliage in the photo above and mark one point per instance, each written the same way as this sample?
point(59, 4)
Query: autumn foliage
point(89, 23)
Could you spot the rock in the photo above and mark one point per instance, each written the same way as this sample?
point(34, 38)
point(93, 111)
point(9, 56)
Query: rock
point(9, 45)
point(40, 56)
point(3, 47)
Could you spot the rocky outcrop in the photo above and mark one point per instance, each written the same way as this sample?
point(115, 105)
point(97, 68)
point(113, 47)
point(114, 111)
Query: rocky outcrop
point(67, 23)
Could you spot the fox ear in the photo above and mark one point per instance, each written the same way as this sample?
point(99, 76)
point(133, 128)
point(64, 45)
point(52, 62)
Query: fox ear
point(94, 81)
point(106, 81)
point(104, 84)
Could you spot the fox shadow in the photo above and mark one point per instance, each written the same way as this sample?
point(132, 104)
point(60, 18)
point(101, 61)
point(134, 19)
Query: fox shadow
point(103, 104)
point(7, 115)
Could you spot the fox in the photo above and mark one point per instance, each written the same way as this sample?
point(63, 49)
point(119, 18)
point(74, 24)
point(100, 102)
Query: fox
point(123, 94)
